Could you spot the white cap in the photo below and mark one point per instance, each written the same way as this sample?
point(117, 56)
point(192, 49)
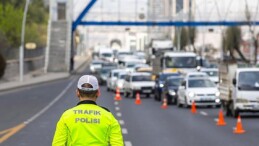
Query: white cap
point(88, 79)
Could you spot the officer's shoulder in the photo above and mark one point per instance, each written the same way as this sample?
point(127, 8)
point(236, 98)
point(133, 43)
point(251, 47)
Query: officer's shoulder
point(105, 108)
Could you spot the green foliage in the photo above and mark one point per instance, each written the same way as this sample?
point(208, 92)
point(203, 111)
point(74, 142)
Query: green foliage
point(11, 15)
point(2, 65)
point(10, 24)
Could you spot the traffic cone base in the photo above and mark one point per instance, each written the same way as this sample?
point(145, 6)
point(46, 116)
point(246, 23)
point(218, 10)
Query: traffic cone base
point(117, 95)
point(164, 105)
point(138, 100)
point(221, 121)
point(193, 109)
point(239, 128)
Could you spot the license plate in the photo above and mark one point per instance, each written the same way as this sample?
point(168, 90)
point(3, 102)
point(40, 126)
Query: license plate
point(205, 99)
point(146, 91)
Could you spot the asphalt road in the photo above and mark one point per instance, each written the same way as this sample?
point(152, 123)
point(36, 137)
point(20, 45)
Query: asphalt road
point(142, 125)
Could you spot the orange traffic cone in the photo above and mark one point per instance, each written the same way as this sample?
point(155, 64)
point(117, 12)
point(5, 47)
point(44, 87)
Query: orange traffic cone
point(221, 121)
point(239, 128)
point(117, 95)
point(138, 100)
point(164, 105)
point(193, 109)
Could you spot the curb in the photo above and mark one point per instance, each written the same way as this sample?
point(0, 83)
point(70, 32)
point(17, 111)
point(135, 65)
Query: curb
point(41, 79)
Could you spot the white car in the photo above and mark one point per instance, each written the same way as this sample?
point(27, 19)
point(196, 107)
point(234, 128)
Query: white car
point(138, 83)
point(212, 73)
point(141, 56)
point(112, 77)
point(195, 75)
point(201, 90)
point(120, 81)
point(95, 66)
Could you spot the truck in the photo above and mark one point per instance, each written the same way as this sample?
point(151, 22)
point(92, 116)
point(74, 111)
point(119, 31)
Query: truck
point(157, 45)
point(171, 61)
point(239, 88)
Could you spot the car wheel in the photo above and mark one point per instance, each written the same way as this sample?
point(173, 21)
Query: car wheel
point(133, 94)
point(178, 103)
point(108, 89)
point(234, 112)
point(185, 103)
point(148, 95)
point(126, 94)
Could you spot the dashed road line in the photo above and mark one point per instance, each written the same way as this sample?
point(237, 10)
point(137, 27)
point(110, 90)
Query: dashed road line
point(118, 114)
point(124, 131)
point(117, 108)
point(116, 102)
point(204, 113)
point(121, 122)
point(127, 143)
point(216, 119)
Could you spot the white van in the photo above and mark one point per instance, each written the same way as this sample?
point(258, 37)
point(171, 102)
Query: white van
point(106, 54)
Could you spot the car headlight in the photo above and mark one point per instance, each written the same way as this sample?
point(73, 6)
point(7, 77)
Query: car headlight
point(217, 100)
point(172, 92)
point(120, 84)
point(217, 94)
point(191, 94)
point(161, 85)
point(242, 100)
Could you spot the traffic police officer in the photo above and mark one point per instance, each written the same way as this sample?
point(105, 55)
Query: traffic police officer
point(87, 124)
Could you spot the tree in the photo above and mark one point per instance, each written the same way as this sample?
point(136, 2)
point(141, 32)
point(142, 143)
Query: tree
point(192, 36)
point(183, 38)
point(231, 42)
point(252, 31)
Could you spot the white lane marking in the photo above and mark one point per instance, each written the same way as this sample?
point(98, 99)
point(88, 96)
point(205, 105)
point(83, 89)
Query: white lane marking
point(117, 108)
point(216, 119)
point(127, 143)
point(50, 104)
point(116, 102)
point(124, 131)
point(118, 114)
point(203, 113)
point(121, 122)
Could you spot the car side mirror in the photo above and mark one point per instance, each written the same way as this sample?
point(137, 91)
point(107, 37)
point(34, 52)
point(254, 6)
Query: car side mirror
point(234, 82)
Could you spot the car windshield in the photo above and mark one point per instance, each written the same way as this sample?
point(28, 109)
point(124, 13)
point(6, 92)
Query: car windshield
point(130, 65)
point(211, 73)
point(197, 75)
point(106, 70)
point(180, 62)
point(198, 83)
point(106, 54)
point(122, 76)
point(125, 53)
point(115, 74)
point(96, 63)
point(174, 82)
point(163, 77)
point(141, 78)
point(248, 80)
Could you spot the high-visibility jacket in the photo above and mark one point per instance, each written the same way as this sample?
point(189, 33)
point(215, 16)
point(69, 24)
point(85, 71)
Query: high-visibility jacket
point(87, 124)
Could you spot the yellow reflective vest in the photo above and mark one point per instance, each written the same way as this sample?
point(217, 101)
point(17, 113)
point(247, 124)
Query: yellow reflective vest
point(87, 124)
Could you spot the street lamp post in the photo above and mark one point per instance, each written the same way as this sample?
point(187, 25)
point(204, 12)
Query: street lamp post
point(22, 40)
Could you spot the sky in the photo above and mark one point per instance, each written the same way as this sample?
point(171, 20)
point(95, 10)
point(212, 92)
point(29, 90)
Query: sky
point(225, 9)
point(109, 9)
point(212, 10)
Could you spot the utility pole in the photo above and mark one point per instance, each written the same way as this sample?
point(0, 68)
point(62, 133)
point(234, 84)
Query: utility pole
point(21, 63)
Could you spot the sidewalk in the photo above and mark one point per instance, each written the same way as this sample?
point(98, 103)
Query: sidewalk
point(39, 76)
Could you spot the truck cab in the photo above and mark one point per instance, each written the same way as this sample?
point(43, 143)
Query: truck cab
point(239, 88)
